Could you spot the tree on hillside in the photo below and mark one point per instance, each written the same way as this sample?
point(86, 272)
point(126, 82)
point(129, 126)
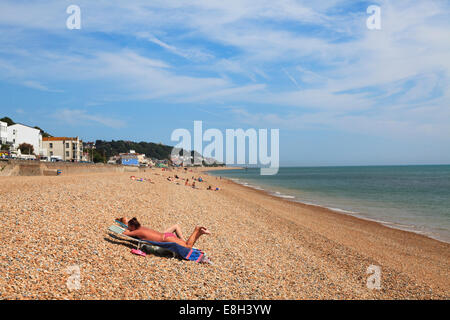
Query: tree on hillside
point(8, 121)
point(26, 148)
point(150, 149)
point(44, 134)
point(98, 157)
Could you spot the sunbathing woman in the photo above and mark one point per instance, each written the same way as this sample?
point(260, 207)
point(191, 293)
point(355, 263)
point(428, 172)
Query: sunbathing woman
point(172, 234)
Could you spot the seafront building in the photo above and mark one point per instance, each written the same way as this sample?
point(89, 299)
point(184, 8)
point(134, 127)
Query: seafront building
point(64, 148)
point(132, 158)
point(129, 160)
point(188, 161)
point(3, 132)
point(180, 160)
point(19, 133)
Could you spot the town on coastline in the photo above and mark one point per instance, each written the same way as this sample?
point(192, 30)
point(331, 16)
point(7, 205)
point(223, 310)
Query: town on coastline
point(23, 142)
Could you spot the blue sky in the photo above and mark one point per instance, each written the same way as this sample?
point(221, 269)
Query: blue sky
point(340, 94)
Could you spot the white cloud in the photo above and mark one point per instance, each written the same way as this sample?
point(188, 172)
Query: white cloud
point(39, 86)
point(81, 117)
point(191, 54)
point(345, 76)
point(291, 78)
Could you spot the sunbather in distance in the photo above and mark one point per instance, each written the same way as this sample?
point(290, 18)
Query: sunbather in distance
point(172, 234)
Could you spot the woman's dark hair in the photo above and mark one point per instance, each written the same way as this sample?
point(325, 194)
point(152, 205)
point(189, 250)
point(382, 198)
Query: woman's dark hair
point(134, 223)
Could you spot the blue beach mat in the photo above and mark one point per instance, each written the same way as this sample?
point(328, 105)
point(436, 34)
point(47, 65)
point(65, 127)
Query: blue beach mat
point(191, 254)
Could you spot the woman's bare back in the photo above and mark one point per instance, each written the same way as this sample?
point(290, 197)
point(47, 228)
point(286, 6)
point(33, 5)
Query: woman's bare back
point(148, 234)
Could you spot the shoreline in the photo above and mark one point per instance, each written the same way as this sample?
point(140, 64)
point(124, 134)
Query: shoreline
point(356, 215)
point(403, 240)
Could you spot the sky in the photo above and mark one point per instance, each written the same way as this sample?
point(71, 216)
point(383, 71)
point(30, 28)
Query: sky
point(339, 92)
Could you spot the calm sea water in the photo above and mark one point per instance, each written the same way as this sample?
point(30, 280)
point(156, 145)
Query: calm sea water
point(413, 198)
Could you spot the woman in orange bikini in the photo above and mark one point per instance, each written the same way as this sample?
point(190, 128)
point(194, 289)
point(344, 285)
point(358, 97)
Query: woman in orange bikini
point(172, 234)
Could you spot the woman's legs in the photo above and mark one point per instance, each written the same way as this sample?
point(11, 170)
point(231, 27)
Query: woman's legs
point(198, 231)
point(177, 230)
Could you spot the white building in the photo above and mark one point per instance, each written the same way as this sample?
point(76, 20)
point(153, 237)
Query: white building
point(3, 132)
point(64, 148)
point(19, 133)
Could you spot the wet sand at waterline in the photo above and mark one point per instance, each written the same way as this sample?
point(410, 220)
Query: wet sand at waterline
point(263, 247)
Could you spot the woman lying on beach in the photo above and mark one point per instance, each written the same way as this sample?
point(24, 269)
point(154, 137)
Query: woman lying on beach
point(172, 234)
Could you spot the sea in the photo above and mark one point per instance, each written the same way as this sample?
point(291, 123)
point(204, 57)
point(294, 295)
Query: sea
point(412, 198)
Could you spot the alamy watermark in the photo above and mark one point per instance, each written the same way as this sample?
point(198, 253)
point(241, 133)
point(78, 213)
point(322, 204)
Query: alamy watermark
point(74, 20)
point(374, 21)
point(74, 281)
point(257, 151)
point(374, 280)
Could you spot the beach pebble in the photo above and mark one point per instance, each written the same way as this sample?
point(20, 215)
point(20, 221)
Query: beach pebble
point(55, 244)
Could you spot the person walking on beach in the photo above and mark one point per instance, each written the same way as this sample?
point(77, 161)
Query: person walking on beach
point(172, 234)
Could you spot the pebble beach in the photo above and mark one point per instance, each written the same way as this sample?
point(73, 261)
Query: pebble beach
point(263, 247)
